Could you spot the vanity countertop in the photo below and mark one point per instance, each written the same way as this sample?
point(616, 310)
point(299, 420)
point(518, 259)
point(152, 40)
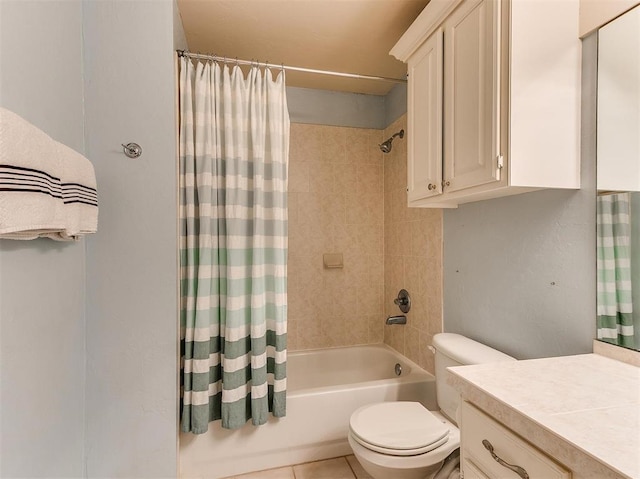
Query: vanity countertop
point(583, 410)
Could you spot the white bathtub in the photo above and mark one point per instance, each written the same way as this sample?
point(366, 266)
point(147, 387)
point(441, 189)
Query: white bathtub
point(324, 387)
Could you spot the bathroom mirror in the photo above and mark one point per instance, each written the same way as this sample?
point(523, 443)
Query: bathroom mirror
point(618, 181)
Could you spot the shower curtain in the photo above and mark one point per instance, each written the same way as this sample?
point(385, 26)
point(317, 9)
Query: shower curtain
point(615, 302)
point(234, 144)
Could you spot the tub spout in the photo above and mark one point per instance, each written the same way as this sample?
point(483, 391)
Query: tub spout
point(402, 319)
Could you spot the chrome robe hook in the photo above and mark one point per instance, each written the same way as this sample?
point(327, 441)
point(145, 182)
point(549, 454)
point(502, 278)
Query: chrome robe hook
point(132, 150)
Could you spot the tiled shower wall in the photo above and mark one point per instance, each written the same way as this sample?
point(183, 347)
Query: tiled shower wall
point(336, 205)
point(412, 259)
point(346, 197)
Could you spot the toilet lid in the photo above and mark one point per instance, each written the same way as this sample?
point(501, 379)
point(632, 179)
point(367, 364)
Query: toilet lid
point(398, 428)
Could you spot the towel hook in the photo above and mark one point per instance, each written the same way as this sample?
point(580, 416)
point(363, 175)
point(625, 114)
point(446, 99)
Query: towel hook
point(132, 150)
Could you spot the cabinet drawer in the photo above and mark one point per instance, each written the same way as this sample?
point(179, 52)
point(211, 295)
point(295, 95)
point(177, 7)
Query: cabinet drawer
point(477, 427)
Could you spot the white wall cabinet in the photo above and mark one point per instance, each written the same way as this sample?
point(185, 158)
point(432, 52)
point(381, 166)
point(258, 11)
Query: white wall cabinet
point(490, 450)
point(493, 99)
point(425, 92)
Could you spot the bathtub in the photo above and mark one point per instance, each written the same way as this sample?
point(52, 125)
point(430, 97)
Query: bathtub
point(324, 387)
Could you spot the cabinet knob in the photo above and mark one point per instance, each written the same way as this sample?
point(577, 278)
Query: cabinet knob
point(431, 187)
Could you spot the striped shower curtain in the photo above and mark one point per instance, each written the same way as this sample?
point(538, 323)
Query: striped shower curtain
point(234, 143)
point(615, 301)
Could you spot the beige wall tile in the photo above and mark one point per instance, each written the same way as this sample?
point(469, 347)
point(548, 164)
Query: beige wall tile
point(357, 329)
point(413, 258)
point(394, 336)
point(321, 177)
point(311, 335)
point(412, 344)
point(345, 176)
point(376, 328)
point(347, 197)
point(299, 177)
point(305, 143)
point(334, 144)
point(292, 334)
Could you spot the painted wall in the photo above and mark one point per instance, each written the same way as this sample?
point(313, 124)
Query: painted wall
point(333, 108)
point(395, 104)
point(132, 265)
point(519, 272)
point(42, 322)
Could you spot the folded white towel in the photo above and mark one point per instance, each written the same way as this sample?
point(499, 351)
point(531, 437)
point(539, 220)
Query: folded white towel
point(46, 188)
point(31, 201)
point(79, 194)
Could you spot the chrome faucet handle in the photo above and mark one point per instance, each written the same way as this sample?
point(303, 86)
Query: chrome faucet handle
point(403, 301)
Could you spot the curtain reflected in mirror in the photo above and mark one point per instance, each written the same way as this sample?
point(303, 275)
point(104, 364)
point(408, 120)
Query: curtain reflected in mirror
point(615, 278)
point(618, 181)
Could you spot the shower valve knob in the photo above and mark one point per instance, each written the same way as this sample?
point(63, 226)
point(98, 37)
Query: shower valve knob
point(403, 301)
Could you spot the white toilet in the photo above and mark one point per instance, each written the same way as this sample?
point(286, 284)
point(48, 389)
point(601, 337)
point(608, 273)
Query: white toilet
point(404, 440)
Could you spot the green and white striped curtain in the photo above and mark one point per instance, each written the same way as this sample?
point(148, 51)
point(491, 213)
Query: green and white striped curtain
point(615, 301)
point(234, 146)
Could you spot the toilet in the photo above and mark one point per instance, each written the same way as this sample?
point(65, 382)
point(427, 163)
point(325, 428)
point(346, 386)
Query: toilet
point(404, 440)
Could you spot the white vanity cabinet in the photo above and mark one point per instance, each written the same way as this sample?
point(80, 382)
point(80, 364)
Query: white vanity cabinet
point(490, 451)
point(493, 99)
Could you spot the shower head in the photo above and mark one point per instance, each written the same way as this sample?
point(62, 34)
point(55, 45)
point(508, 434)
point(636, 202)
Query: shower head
point(385, 146)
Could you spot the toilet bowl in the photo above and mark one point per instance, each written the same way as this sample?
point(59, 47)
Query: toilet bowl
point(404, 440)
point(401, 440)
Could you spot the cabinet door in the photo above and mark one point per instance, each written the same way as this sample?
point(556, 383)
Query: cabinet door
point(424, 172)
point(498, 452)
point(471, 105)
point(471, 471)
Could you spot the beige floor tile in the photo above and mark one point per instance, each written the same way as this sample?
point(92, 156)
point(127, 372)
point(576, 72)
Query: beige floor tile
point(357, 468)
point(329, 469)
point(280, 473)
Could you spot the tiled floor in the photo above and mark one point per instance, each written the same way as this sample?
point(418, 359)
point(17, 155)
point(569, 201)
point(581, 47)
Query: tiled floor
point(339, 468)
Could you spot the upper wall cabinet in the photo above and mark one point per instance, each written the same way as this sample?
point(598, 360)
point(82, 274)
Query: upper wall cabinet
point(494, 99)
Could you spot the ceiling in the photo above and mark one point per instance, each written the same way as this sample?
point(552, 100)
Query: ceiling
point(352, 36)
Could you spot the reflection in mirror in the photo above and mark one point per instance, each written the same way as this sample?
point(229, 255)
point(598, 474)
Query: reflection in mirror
point(618, 181)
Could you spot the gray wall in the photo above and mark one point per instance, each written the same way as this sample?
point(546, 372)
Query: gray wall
point(324, 107)
point(395, 103)
point(132, 263)
point(519, 272)
point(42, 351)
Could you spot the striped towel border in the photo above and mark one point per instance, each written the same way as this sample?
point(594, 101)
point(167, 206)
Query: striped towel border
point(21, 179)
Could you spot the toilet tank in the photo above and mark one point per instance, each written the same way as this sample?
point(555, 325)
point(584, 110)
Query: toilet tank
point(456, 350)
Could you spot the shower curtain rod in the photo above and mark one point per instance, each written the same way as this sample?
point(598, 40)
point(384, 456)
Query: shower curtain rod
point(217, 58)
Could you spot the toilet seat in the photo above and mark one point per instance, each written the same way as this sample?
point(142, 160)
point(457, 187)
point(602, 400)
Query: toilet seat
point(398, 428)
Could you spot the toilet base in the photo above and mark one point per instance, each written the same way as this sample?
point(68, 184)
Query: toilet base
point(380, 466)
point(378, 472)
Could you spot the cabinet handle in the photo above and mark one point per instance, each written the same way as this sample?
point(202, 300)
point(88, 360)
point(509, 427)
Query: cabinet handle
point(517, 469)
point(431, 187)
